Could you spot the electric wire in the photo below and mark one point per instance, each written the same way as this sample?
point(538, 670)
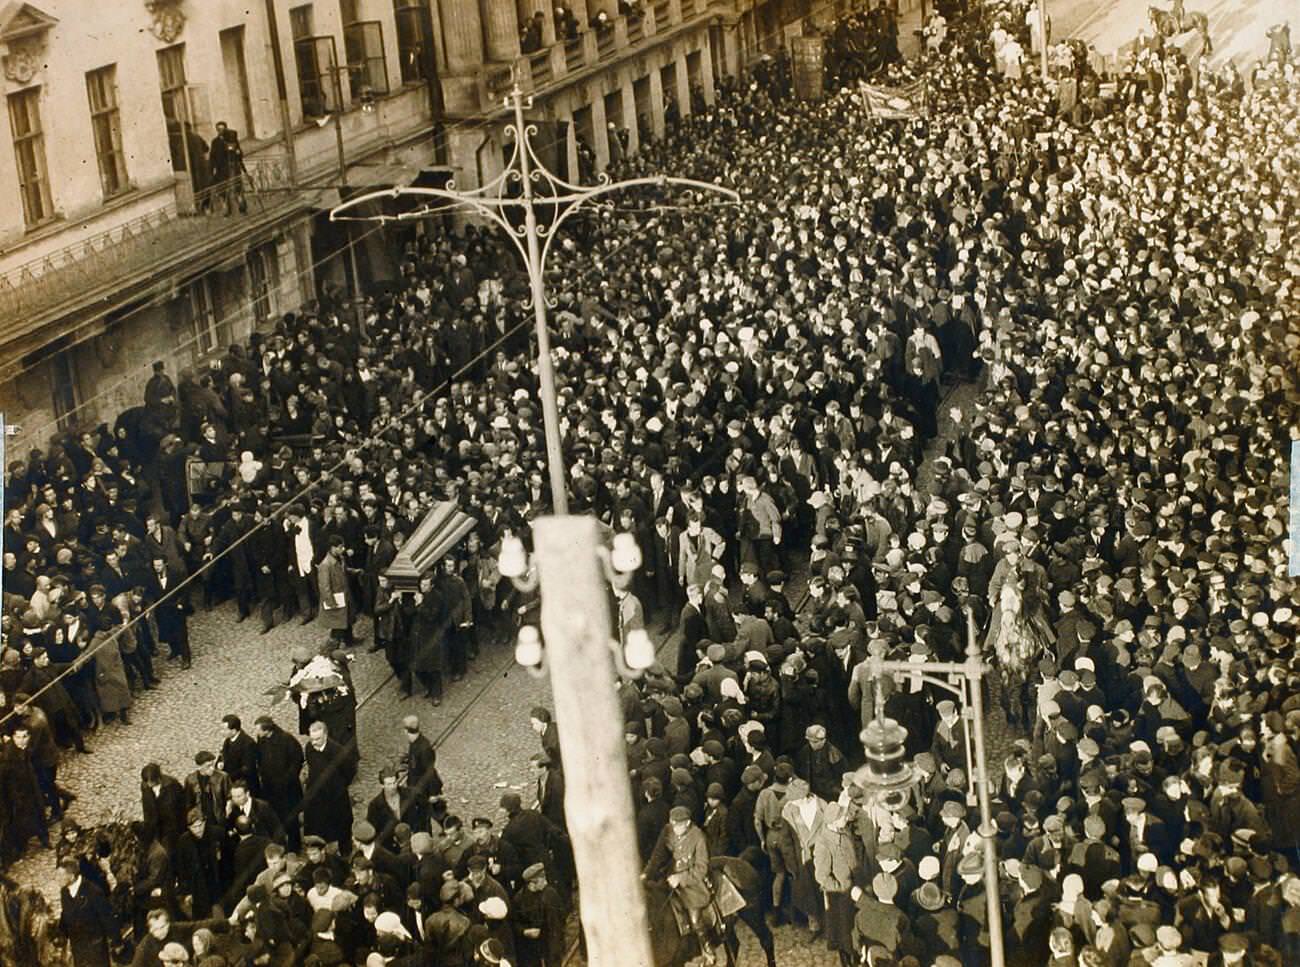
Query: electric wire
point(292, 501)
point(133, 374)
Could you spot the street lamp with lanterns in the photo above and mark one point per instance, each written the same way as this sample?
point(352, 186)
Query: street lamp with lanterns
point(538, 188)
point(574, 564)
point(887, 771)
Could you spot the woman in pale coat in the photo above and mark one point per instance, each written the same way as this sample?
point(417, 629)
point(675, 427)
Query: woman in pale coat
point(835, 857)
point(804, 812)
point(110, 671)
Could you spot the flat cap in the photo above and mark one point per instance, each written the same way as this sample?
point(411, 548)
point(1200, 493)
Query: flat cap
point(1168, 936)
point(884, 886)
point(1233, 943)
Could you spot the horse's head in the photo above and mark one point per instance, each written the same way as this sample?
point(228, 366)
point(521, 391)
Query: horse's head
point(665, 939)
point(656, 894)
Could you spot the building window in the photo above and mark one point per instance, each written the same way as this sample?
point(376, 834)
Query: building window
point(29, 152)
point(106, 125)
point(263, 282)
point(302, 21)
point(196, 308)
point(363, 42)
point(240, 104)
point(315, 57)
point(414, 39)
point(63, 388)
point(175, 103)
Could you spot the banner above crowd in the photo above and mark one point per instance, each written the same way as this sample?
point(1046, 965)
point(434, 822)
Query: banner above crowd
point(907, 101)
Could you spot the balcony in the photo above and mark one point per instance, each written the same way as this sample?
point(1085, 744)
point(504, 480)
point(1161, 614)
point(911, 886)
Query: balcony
point(60, 280)
point(539, 67)
point(597, 45)
point(606, 42)
point(574, 58)
point(83, 274)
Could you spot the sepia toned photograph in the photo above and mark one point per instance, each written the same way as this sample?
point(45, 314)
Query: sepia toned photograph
point(650, 483)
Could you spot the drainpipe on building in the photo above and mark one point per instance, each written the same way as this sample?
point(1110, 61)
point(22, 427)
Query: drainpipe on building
point(282, 90)
point(436, 108)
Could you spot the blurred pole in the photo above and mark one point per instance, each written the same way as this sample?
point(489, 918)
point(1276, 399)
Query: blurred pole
point(597, 796)
point(987, 831)
point(1042, 35)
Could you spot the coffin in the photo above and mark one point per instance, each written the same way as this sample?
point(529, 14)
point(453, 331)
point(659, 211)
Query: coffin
point(443, 528)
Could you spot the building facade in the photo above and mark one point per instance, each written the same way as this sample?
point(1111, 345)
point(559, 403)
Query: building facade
point(120, 243)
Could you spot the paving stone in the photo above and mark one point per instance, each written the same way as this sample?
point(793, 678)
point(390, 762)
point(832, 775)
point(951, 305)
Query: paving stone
point(481, 728)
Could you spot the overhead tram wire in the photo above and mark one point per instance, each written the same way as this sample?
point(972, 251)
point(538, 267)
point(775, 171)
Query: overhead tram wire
point(314, 484)
point(293, 500)
point(470, 125)
point(464, 126)
point(133, 376)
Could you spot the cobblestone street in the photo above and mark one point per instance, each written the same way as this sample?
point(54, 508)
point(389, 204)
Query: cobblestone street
point(482, 722)
point(481, 729)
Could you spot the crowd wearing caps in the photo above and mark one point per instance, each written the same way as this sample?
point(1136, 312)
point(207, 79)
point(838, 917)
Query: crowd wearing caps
point(1127, 736)
point(739, 388)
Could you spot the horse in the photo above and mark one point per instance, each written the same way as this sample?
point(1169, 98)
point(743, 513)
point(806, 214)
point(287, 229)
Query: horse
point(672, 947)
point(1167, 23)
point(1199, 22)
point(1017, 636)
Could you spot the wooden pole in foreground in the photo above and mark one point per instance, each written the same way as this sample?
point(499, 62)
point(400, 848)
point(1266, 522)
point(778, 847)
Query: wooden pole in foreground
point(987, 830)
point(598, 798)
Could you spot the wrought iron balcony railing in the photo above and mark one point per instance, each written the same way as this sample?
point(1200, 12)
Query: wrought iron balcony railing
point(41, 285)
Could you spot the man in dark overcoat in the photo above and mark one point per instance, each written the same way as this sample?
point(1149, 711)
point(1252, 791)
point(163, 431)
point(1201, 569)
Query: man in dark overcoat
point(238, 555)
point(279, 762)
point(429, 619)
point(327, 810)
point(22, 807)
point(171, 610)
point(85, 917)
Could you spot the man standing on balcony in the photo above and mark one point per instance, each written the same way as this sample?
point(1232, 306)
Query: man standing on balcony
point(226, 162)
point(160, 391)
point(531, 40)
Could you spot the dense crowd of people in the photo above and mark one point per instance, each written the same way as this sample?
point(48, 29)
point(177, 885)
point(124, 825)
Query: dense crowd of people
point(748, 389)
